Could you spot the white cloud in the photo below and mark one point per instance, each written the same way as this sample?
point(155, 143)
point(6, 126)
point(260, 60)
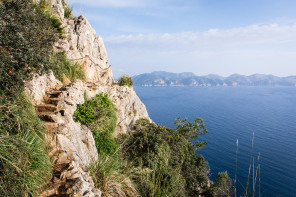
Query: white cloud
point(250, 35)
point(252, 49)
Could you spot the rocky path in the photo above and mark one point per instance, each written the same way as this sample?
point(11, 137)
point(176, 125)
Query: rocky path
point(68, 176)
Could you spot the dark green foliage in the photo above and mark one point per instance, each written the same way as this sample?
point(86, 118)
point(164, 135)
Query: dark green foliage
point(99, 115)
point(63, 67)
point(26, 41)
point(125, 80)
point(167, 158)
point(105, 143)
point(24, 162)
point(96, 108)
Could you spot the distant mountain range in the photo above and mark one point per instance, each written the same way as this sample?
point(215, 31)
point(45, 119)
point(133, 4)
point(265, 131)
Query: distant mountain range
point(161, 78)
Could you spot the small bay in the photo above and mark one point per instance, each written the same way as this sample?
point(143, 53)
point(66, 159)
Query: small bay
point(235, 113)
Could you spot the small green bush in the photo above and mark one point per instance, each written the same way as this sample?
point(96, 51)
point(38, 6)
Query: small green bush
point(99, 115)
point(125, 80)
point(96, 108)
point(24, 163)
point(105, 143)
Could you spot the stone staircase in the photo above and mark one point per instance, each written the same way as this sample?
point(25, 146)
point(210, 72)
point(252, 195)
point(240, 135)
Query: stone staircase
point(68, 178)
point(47, 112)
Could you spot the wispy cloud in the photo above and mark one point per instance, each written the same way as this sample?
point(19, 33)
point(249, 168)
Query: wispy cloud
point(213, 38)
point(251, 49)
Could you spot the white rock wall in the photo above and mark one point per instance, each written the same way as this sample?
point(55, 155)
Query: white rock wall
point(84, 46)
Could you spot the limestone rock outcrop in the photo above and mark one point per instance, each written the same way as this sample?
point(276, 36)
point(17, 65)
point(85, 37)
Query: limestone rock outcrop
point(71, 144)
point(83, 45)
point(39, 85)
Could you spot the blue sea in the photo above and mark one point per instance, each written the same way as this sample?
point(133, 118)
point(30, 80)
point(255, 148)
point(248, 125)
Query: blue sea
point(235, 113)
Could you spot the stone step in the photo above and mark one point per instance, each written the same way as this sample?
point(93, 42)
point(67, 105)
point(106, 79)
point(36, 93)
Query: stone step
point(53, 101)
point(47, 116)
point(46, 108)
point(54, 94)
point(50, 125)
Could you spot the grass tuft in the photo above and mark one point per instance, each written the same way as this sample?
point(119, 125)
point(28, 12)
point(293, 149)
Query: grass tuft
point(113, 176)
point(63, 67)
point(24, 163)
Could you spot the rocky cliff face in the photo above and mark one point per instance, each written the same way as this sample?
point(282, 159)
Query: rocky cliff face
point(71, 144)
point(83, 45)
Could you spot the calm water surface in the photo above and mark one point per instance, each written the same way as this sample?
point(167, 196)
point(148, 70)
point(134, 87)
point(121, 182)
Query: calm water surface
point(232, 113)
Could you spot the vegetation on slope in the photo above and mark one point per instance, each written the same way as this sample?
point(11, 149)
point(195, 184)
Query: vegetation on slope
point(25, 47)
point(24, 162)
point(63, 68)
point(27, 35)
point(110, 174)
point(99, 115)
point(152, 160)
point(25, 44)
point(55, 22)
point(166, 158)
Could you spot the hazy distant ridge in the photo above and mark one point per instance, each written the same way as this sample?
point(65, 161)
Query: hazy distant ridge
point(161, 78)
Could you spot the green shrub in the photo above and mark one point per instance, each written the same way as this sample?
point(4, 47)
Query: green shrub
point(25, 45)
point(99, 115)
point(63, 67)
point(125, 80)
point(96, 108)
point(24, 163)
point(105, 143)
point(167, 158)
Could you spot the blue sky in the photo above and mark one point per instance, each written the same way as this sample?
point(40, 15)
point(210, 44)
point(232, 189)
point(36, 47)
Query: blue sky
point(201, 36)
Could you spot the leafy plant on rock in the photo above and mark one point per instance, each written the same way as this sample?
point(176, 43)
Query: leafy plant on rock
point(125, 80)
point(98, 113)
